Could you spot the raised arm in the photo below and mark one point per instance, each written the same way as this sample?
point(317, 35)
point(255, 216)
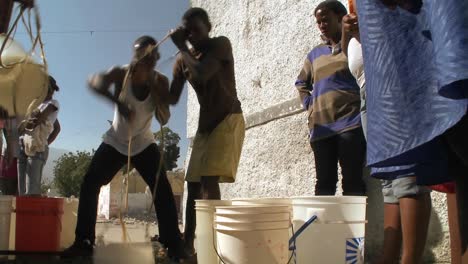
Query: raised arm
point(218, 51)
point(178, 81)
point(100, 83)
point(160, 95)
point(211, 62)
point(350, 29)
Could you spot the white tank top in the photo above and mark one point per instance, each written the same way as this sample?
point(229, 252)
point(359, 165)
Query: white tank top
point(140, 126)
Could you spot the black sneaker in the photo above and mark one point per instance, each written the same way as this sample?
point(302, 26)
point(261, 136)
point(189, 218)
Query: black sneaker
point(81, 248)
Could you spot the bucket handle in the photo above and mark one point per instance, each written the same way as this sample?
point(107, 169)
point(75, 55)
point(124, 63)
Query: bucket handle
point(292, 240)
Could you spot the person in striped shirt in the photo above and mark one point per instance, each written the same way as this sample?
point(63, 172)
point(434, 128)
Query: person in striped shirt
point(331, 96)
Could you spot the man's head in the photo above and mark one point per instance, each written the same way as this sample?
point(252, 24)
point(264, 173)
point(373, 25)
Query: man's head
point(328, 15)
point(144, 52)
point(197, 25)
point(53, 87)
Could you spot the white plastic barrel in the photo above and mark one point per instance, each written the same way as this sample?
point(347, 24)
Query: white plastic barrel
point(338, 234)
point(253, 234)
point(204, 242)
point(6, 208)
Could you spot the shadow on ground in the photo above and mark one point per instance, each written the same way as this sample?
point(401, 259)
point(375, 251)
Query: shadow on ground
point(141, 253)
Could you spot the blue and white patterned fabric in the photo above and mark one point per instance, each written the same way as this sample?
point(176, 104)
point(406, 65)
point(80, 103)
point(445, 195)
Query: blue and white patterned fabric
point(410, 61)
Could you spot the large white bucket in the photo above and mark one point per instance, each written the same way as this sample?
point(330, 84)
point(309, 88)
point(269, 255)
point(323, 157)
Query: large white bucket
point(6, 208)
point(69, 218)
point(204, 242)
point(337, 236)
point(257, 201)
point(253, 234)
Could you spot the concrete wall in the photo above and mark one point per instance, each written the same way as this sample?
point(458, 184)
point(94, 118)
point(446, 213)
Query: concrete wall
point(270, 39)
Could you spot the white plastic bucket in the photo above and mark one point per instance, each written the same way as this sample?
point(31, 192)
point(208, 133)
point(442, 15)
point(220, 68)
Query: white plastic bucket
point(69, 218)
point(242, 218)
point(252, 209)
point(257, 201)
point(6, 208)
point(204, 242)
point(337, 236)
point(337, 208)
point(253, 234)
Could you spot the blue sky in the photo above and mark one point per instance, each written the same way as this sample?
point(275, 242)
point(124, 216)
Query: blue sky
point(86, 36)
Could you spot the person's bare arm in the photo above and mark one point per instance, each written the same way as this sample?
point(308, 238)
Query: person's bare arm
point(160, 95)
point(202, 70)
point(178, 82)
point(211, 62)
point(101, 83)
point(350, 29)
point(54, 133)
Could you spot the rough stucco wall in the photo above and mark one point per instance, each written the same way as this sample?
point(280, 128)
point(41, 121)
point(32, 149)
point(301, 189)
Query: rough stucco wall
point(270, 40)
point(274, 165)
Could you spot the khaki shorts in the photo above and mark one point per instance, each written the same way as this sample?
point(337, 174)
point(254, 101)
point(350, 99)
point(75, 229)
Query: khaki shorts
point(393, 190)
point(218, 153)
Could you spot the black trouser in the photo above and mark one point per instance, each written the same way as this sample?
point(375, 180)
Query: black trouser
point(457, 139)
point(105, 164)
point(349, 149)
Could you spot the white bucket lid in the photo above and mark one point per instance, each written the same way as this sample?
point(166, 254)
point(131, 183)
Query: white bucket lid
point(252, 226)
point(330, 200)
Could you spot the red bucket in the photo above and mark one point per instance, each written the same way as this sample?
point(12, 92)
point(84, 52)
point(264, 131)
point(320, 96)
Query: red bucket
point(38, 223)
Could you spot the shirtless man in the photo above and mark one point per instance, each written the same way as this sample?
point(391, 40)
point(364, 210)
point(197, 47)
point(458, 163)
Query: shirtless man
point(209, 68)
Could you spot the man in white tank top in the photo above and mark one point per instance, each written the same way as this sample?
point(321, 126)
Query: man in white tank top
point(135, 106)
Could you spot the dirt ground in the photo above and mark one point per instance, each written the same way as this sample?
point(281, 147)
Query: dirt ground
point(110, 246)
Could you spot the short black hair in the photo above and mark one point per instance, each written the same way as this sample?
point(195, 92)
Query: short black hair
point(53, 84)
point(197, 12)
point(144, 41)
point(333, 5)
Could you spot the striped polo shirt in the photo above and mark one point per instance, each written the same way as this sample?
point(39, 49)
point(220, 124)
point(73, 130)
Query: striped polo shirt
point(329, 93)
